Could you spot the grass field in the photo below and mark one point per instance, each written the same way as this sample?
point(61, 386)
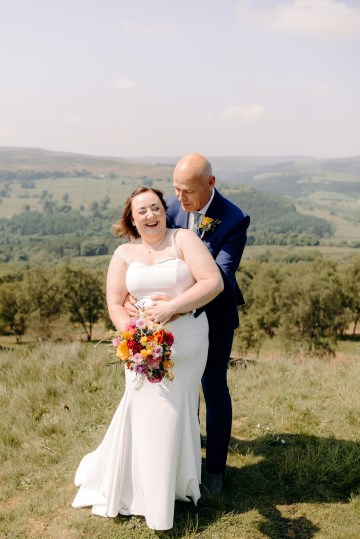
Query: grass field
point(294, 460)
point(344, 229)
point(81, 191)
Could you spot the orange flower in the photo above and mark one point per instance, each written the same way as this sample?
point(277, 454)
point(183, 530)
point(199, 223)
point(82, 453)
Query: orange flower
point(159, 336)
point(168, 364)
point(122, 351)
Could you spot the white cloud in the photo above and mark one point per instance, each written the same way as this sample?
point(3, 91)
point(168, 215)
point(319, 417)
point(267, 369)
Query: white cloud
point(8, 133)
point(320, 91)
point(74, 120)
point(243, 113)
point(135, 29)
point(123, 83)
point(330, 18)
point(50, 117)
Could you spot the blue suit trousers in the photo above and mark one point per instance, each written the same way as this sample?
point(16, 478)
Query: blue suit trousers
point(217, 396)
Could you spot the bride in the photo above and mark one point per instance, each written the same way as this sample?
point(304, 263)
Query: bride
point(151, 453)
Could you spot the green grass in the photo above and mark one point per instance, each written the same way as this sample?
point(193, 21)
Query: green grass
point(81, 191)
point(294, 459)
point(344, 229)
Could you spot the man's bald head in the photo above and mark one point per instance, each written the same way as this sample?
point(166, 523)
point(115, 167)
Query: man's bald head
point(193, 181)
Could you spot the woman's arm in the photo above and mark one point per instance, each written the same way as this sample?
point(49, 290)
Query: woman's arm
point(208, 279)
point(116, 291)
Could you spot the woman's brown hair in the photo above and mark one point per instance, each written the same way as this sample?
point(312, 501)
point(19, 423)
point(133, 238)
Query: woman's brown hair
point(125, 227)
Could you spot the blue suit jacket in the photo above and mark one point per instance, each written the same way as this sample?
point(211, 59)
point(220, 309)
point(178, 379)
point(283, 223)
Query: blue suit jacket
point(226, 243)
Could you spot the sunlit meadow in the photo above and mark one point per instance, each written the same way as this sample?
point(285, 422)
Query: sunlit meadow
point(294, 460)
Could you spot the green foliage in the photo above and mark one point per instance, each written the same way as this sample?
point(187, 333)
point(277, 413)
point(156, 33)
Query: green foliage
point(84, 297)
point(309, 305)
point(351, 285)
point(274, 220)
point(14, 308)
point(53, 223)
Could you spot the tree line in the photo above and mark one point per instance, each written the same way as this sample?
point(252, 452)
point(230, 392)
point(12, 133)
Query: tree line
point(309, 305)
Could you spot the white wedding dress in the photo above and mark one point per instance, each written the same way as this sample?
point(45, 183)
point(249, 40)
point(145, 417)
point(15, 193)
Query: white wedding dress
point(151, 453)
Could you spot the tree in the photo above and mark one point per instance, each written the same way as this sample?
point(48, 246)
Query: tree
point(351, 284)
point(14, 308)
point(260, 284)
point(45, 296)
point(312, 306)
point(84, 297)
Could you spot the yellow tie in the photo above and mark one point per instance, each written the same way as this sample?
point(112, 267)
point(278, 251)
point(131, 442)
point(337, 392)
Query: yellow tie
point(196, 221)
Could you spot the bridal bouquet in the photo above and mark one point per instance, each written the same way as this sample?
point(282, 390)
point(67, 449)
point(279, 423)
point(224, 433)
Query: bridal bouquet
point(145, 348)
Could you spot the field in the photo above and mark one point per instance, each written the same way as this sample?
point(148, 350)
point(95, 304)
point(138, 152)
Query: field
point(80, 192)
point(293, 467)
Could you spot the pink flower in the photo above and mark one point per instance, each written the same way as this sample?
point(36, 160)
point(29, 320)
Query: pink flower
point(137, 358)
point(140, 369)
point(131, 324)
point(116, 341)
point(153, 362)
point(157, 351)
point(140, 323)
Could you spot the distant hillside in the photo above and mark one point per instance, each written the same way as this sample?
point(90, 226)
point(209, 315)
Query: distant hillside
point(45, 161)
point(55, 204)
point(275, 220)
point(296, 177)
point(284, 175)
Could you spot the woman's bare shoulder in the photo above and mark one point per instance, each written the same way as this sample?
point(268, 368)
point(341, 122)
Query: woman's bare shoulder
point(124, 250)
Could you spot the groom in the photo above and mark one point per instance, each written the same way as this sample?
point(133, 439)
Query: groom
point(222, 226)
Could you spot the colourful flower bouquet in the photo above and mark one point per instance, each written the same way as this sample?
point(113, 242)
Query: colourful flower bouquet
point(145, 348)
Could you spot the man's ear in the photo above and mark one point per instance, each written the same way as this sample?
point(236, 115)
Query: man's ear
point(212, 181)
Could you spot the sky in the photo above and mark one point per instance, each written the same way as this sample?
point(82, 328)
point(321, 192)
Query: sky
point(131, 78)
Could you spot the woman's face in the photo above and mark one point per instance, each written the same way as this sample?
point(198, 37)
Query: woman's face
point(148, 214)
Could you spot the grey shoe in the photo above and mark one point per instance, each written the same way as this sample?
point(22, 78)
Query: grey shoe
point(211, 488)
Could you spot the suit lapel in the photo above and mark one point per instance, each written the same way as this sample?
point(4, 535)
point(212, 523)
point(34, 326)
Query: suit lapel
point(214, 210)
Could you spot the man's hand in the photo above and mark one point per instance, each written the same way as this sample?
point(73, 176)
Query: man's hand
point(129, 305)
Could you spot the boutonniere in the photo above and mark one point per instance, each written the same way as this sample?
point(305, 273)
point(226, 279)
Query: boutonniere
point(207, 225)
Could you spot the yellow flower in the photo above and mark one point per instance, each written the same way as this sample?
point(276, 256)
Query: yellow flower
point(149, 351)
point(122, 351)
point(143, 352)
point(206, 221)
point(126, 335)
point(144, 340)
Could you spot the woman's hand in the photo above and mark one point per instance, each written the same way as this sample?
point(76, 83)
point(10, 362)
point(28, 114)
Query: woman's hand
point(161, 310)
point(129, 305)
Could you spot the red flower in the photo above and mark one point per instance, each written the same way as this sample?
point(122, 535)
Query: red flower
point(134, 346)
point(168, 338)
point(155, 378)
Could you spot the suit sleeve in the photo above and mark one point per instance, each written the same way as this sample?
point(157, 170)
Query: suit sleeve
point(228, 260)
point(229, 256)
